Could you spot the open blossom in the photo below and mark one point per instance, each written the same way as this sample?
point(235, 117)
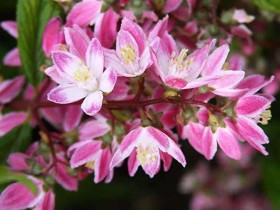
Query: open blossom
point(241, 16)
point(144, 146)
point(132, 55)
point(82, 79)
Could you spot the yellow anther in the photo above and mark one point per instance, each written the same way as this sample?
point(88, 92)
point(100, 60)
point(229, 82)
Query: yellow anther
point(82, 74)
point(90, 164)
point(128, 54)
point(265, 116)
point(226, 66)
point(146, 155)
point(181, 61)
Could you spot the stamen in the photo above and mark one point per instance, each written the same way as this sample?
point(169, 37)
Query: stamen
point(90, 164)
point(128, 54)
point(82, 74)
point(146, 155)
point(181, 62)
point(265, 116)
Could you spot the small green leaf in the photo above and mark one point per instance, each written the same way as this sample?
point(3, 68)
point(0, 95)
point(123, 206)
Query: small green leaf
point(32, 16)
point(269, 5)
point(7, 176)
point(15, 141)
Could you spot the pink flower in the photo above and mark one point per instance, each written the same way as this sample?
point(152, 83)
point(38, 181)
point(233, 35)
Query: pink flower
point(91, 154)
point(17, 196)
point(241, 16)
point(12, 58)
point(82, 79)
point(144, 145)
point(10, 121)
point(84, 13)
point(132, 55)
point(9, 89)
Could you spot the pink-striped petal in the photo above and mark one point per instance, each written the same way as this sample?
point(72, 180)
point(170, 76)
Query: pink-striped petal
point(62, 177)
point(55, 75)
point(72, 117)
point(84, 13)
point(51, 35)
point(171, 5)
point(16, 196)
point(17, 161)
point(77, 40)
point(166, 159)
point(10, 121)
point(249, 130)
point(157, 136)
point(228, 143)
point(216, 60)
point(47, 203)
point(65, 94)
point(194, 133)
point(252, 105)
point(129, 141)
point(176, 153)
point(9, 89)
point(92, 103)
point(108, 80)
point(12, 58)
point(11, 27)
point(136, 32)
point(84, 154)
point(95, 58)
point(133, 163)
point(106, 28)
point(101, 168)
point(209, 144)
point(227, 79)
point(53, 115)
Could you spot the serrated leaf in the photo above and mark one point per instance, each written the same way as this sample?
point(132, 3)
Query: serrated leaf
point(269, 5)
point(32, 16)
point(7, 176)
point(15, 141)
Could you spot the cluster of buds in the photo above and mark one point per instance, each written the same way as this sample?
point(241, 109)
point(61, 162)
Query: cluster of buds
point(127, 88)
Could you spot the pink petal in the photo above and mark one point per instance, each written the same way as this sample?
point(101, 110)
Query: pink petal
point(251, 131)
point(258, 147)
point(84, 154)
point(51, 35)
point(84, 13)
point(171, 5)
point(11, 27)
point(228, 92)
point(112, 60)
point(54, 75)
point(16, 196)
point(209, 144)
point(159, 29)
point(10, 121)
point(108, 80)
point(166, 159)
point(9, 89)
point(95, 58)
point(47, 203)
point(176, 153)
point(106, 28)
point(216, 60)
point(136, 32)
point(194, 133)
point(145, 60)
point(252, 105)
point(67, 181)
point(101, 168)
point(77, 40)
point(67, 64)
point(65, 94)
point(157, 136)
point(72, 117)
point(118, 157)
point(228, 143)
point(12, 58)
point(129, 141)
point(152, 167)
point(53, 115)
point(17, 161)
point(92, 103)
point(133, 163)
point(227, 79)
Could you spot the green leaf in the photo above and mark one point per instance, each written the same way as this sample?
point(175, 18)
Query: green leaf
point(15, 141)
point(32, 16)
point(7, 176)
point(269, 5)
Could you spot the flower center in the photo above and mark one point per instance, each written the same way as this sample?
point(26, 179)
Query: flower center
point(90, 164)
point(82, 74)
point(265, 116)
point(181, 61)
point(146, 155)
point(128, 54)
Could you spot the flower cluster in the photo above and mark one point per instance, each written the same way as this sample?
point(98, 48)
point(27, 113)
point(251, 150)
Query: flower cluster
point(123, 83)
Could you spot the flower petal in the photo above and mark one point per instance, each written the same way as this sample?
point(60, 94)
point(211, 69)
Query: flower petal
point(209, 144)
point(108, 80)
point(95, 58)
point(228, 143)
point(10, 121)
point(65, 94)
point(77, 40)
point(227, 79)
point(92, 103)
point(11, 27)
point(12, 58)
point(9, 89)
point(133, 163)
point(101, 168)
point(252, 105)
point(84, 154)
point(72, 117)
